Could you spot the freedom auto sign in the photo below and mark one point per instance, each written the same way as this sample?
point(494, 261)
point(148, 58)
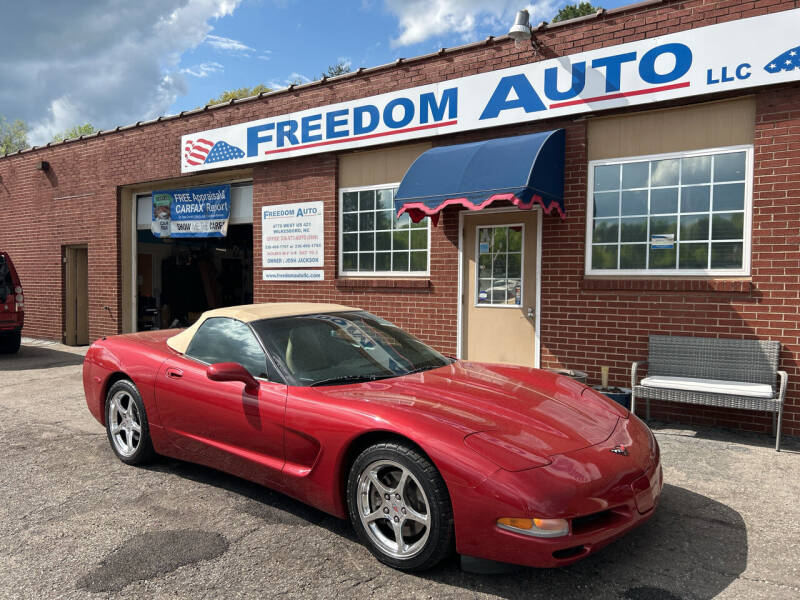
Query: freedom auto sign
point(740, 54)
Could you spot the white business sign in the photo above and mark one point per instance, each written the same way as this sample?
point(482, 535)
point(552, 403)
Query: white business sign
point(738, 54)
point(293, 275)
point(292, 235)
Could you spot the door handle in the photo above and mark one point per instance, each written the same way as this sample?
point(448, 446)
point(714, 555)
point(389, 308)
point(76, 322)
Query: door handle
point(174, 373)
point(531, 313)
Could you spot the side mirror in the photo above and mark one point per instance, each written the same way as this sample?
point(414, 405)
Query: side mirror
point(231, 371)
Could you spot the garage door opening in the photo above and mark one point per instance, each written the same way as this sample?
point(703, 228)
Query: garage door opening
point(179, 278)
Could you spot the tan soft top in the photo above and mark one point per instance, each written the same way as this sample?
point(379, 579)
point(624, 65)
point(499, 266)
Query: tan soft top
point(252, 312)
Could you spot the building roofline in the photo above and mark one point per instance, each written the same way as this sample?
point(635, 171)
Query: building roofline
point(542, 27)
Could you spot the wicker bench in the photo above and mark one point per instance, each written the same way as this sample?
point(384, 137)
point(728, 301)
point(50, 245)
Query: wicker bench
point(713, 372)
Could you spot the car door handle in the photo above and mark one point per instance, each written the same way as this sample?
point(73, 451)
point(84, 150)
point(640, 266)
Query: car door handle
point(174, 373)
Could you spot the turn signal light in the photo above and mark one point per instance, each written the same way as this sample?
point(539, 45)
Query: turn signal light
point(535, 527)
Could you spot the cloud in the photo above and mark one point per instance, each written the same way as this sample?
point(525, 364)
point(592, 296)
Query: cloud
point(293, 78)
point(203, 69)
point(108, 63)
point(265, 55)
point(228, 45)
point(421, 20)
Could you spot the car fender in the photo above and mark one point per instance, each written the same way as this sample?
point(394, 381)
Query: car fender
point(341, 430)
point(112, 359)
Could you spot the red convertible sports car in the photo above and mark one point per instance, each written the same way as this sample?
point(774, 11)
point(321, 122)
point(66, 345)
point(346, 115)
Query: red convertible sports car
point(348, 413)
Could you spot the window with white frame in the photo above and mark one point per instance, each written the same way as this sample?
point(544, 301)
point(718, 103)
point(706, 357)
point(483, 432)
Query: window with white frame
point(672, 214)
point(374, 241)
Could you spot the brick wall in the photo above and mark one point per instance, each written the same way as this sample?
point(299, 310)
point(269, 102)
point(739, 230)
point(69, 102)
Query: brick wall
point(582, 326)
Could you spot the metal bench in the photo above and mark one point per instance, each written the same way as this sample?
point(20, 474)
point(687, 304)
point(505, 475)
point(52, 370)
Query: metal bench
point(713, 372)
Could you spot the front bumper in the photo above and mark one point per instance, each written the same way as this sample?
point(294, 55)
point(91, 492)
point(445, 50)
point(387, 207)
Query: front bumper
point(602, 494)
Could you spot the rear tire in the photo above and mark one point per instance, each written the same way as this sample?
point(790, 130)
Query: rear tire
point(10, 342)
point(126, 424)
point(399, 506)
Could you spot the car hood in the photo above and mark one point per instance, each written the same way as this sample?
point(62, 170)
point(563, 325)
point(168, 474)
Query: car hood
point(528, 412)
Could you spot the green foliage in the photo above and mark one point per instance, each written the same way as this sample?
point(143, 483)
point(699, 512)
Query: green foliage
point(571, 11)
point(13, 136)
point(242, 92)
point(340, 68)
point(75, 132)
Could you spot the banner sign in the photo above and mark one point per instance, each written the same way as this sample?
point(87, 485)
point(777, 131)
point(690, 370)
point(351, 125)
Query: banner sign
point(292, 235)
point(194, 212)
point(728, 56)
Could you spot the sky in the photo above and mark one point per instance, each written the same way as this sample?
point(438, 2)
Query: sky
point(116, 62)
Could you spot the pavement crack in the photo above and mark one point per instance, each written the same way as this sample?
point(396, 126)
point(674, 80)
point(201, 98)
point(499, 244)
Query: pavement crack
point(783, 586)
point(362, 582)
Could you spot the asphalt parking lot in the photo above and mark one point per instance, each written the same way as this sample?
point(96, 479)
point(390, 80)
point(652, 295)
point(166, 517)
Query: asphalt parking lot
point(75, 522)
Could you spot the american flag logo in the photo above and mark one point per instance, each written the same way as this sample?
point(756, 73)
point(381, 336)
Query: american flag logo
point(787, 61)
point(202, 151)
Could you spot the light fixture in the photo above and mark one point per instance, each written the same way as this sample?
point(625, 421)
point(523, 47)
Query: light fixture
point(522, 31)
point(42, 165)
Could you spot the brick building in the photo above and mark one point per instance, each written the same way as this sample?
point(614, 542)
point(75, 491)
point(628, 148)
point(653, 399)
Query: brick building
point(709, 160)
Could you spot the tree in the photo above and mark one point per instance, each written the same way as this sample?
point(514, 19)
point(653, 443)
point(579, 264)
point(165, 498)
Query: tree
point(75, 132)
point(572, 11)
point(340, 68)
point(13, 136)
point(242, 92)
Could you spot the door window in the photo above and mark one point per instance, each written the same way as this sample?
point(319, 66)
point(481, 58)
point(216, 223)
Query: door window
point(499, 259)
point(220, 339)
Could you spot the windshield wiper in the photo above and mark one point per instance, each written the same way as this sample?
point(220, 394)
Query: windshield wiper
point(428, 367)
point(351, 379)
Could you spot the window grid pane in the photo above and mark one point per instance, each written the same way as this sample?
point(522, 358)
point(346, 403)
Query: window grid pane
point(374, 240)
point(710, 228)
point(499, 265)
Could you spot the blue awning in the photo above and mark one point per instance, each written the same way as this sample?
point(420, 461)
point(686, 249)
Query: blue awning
point(523, 169)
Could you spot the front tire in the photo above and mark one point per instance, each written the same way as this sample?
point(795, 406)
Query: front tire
point(126, 424)
point(399, 506)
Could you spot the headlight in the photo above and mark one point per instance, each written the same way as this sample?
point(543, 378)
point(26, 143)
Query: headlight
point(535, 527)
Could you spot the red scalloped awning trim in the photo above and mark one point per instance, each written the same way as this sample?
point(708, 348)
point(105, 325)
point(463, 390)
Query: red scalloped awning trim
point(418, 210)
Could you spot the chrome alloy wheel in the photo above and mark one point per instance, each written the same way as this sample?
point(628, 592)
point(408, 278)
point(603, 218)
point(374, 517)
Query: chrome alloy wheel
point(125, 423)
point(393, 509)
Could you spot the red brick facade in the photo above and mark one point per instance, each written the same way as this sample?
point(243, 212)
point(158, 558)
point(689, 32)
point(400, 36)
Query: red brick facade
point(584, 322)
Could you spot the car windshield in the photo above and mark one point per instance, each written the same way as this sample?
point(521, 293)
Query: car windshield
point(349, 347)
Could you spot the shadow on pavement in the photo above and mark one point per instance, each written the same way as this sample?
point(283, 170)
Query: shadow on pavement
point(254, 499)
point(38, 357)
point(736, 437)
point(693, 547)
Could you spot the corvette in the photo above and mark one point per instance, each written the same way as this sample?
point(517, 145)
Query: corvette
point(344, 411)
